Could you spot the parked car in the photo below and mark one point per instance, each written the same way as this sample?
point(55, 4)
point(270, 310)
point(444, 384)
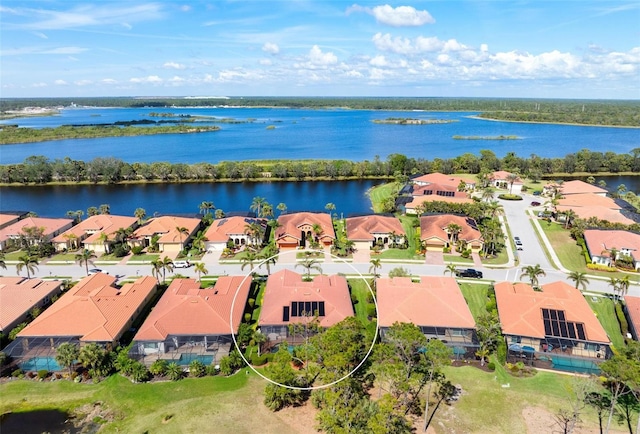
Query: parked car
point(181, 264)
point(97, 270)
point(535, 203)
point(469, 272)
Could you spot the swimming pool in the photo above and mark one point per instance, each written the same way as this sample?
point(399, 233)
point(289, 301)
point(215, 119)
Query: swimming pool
point(574, 365)
point(37, 363)
point(185, 359)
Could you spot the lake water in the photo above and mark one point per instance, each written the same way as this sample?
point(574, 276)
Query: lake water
point(317, 134)
point(349, 197)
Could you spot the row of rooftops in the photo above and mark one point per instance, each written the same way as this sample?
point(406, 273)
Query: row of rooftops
point(96, 310)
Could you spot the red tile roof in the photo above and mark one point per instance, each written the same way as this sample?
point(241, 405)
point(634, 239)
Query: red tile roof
point(94, 309)
point(580, 187)
point(419, 200)
point(96, 225)
point(185, 309)
point(433, 226)
point(598, 240)
point(434, 301)
point(520, 309)
point(50, 226)
point(165, 227)
point(221, 230)
point(633, 308)
point(19, 295)
point(363, 228)
point(291, 224)
point(501, 175)
point(286, 286)
point(8, 218)
point(440, 178)
point(420, 190)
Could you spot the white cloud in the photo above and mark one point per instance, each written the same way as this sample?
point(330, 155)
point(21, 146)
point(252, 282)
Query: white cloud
point(270, 48)
point(176, 80)
point(318, 58)
point(40, 84)
point(173, 65)
point(126, 26)
point(378, 61)
point(41, 35)
point(401, 16)
point(108, 81)
point(83, 82)
point(60, 83)
point(265, 62)
point(185, 8)
point(153, 79)
point(418, 45)
point(65, 50)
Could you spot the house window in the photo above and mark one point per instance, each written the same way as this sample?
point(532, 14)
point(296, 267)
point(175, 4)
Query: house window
point(515, 339)
point(457, 332)
point(591, 347)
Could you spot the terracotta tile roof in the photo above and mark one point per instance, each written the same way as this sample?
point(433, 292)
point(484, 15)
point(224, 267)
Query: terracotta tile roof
point(185, 309)
point(291, 224)
point(94, 309)
point(440, 178)
point(433, 188)
point(286, 286)
point(50, 226)
point(434, 301)
point(520, 309)
point(363, 228)
point(222, 229)
point(419, 200)
point(97, 224)
point(19, 295)
point(433, 226)
point(633, 309)
point(165, 227)
point(588, 200)
point(8, 218)
point(580, 187)
point(501, 175)
point(601, 213)
point(598, 240)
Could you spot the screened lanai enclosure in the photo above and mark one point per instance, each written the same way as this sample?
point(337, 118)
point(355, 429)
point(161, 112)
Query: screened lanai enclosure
point(36, 353)
point(209, 349)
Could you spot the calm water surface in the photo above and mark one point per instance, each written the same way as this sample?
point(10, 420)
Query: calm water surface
point(54, 201)
point(318, 134)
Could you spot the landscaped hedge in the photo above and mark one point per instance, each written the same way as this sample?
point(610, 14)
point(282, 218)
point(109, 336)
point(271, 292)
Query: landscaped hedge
point(510, 197)
point(600, 267)
point(585, 251)
point(622, 319)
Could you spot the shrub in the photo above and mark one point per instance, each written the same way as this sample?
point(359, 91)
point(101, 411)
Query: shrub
point(600, 267)
point(446, 250)
point(139, 372)
point(197, 368)
point(247, 317)
point(491, 366)
point(622, 319)
point(252, 302)
point(17, 373)
point(211, 370)
point(159, 367)
point(371, 310)
point(137, 250)
point(259, 360)
point(509, 197)
point(120, 251)
point(43, 373)
point(174, 371)
point(501, 351)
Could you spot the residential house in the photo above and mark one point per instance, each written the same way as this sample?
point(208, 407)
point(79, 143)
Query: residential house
point(32, 230)
point(435, 304)
point(8, 218)
point(19, 296)
point(570, 188)
point(632, 311)
point(95, 233)
point(166, 230)
point(288, 299)
point(190, 323)
point(435, 232)
point(234, 229)
point(500, 179)
point(590, 205)
point(603, 244)
point(442, 179)
point(374, 230)
point(302, 228)
point(411, 207)
point(555, 324)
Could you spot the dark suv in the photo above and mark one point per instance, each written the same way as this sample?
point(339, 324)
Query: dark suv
point(469, 272)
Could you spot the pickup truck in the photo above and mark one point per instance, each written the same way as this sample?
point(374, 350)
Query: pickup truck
point(469, 272)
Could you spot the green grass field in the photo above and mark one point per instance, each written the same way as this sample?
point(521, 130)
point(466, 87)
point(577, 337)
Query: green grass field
point(360, 290)
point(605, 311)
point(379, 193)
point(476, 297)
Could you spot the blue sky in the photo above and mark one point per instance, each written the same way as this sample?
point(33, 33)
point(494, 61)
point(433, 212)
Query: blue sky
point(448, 48)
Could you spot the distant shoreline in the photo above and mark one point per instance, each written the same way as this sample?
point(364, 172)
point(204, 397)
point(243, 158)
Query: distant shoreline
point(550, 123)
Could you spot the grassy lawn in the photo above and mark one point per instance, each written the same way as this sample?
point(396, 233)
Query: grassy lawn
point(146, 257)
point(476, 297)
point(361, 291)
point(501, 259)
point(379, 193)
point(457, 258)
point(65, 256)
point(258, 305)
point(13, 256)
point(605, 311)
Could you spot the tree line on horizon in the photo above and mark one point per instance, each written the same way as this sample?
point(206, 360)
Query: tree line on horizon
point(587, 112)
point(39, 169)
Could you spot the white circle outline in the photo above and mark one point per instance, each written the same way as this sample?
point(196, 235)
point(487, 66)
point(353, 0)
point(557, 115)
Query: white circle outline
point(322, 386)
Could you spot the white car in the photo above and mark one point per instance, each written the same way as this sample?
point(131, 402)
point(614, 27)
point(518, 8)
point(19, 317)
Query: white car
point(181, 264)
point(97, 270)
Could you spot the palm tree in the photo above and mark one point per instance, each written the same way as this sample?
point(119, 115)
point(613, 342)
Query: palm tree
point(182, 231)
point(488, 193)
point(282, 207)
point(533, 272)
point(72, 240)
point(91, 356)
point(105, 208)
point(85, 258)
point(254, 232)
point(267, 210)
point(156, 268)
point(206, 207)
point(268, 257)
point(453, 230)
point(91, 211)
point(375, 266)
point(219, 214)
point(451, 269)
point(623, 285)
point(200, 269)
point(330, 207)
point(140, 214)
point(199, 240)
point(511, 178)
point(167, 265)
point(309, 264)
point(259, 339)
point(249, 258)
point(104, 239)
point(569, 215)
point(256, 205)
point(66, 355)
point(579, 278)
point(29, 263)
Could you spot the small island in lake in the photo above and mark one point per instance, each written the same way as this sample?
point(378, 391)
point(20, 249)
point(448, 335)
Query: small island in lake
point(409, 121)
point(500, 137)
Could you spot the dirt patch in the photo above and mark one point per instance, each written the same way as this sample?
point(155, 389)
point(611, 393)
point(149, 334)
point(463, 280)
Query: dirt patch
point(540, 420)
point(302, 420)
point(91, 417)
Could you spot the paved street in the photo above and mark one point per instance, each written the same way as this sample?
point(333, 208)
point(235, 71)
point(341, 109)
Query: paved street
point(519, 221)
